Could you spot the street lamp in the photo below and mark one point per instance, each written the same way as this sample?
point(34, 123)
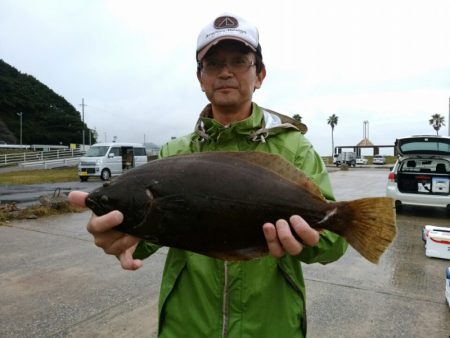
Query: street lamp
point(20, 114)
point(82, 109)
point(366, 129)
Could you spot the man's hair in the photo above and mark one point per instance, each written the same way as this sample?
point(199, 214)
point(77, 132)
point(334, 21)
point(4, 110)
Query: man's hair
point(259, 64)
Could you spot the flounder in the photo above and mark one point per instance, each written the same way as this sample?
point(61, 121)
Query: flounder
point(215, 203)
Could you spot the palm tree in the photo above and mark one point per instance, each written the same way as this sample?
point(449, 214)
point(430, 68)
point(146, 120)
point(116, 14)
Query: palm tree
point(297, 117)
point(332, 121)
point(437, 121)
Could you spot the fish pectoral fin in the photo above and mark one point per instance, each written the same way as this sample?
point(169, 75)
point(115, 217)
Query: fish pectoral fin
point(171, 202)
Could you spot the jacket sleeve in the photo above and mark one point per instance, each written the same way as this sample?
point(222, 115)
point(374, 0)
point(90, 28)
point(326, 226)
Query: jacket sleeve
point(144, 250)
point(331, 246)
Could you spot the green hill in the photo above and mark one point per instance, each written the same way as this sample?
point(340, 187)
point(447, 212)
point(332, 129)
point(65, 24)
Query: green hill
point(47, 117)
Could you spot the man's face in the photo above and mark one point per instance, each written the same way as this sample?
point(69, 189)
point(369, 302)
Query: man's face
point(228, 76)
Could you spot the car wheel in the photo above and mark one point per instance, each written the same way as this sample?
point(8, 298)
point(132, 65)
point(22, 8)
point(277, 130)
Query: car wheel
point(83, 178)
point(106, 175)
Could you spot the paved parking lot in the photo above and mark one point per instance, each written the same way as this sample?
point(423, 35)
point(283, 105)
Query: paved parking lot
point(55, 283)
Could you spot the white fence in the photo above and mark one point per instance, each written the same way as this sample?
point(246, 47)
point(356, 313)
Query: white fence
point(42, 158)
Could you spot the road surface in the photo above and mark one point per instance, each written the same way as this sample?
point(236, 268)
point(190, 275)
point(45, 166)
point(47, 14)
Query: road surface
point(55, 283)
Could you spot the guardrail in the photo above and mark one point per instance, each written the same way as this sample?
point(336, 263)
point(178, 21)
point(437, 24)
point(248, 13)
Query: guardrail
point(51, 163)
point(40, 157)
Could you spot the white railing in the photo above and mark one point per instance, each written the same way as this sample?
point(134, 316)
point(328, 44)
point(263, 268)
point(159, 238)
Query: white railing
point(34, 158)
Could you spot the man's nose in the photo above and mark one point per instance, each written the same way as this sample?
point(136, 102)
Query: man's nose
point(224, 69)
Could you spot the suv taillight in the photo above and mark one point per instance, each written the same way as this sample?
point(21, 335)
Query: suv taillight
point(392, 177)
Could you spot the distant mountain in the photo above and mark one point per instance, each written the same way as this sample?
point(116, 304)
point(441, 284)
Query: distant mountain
point(47, 117)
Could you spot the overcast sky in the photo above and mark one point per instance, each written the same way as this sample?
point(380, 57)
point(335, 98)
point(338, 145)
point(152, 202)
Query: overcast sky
point(133, 62)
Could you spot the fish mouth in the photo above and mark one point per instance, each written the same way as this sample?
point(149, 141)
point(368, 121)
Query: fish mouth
point(98, 208)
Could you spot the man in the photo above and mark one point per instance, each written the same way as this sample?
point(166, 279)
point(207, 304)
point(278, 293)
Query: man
point(205, 297)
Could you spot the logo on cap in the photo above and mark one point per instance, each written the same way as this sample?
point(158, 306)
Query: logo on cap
point(225, 22)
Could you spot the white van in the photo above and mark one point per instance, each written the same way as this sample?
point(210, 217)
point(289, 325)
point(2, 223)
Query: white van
point(347, 157)
point(110, 159)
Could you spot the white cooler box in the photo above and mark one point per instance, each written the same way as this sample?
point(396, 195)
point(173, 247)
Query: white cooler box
point(437, 241)
point(441, 185)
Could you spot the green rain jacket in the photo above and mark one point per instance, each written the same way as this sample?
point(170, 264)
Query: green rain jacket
point(205, 297)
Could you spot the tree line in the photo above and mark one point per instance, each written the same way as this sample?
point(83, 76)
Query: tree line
point(43, 116)
point(437, 121)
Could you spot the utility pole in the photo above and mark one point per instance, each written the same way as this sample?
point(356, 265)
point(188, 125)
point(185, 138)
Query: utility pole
point(20, 114)
point(82, 111)
point(448, 121)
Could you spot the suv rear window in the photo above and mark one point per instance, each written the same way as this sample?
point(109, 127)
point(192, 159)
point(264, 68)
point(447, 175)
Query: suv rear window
point(435, 145)
point(420, 165)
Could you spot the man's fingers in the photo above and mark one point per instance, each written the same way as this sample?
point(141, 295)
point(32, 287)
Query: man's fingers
point(121, 244)
point(275, 248)
point(99, 224)
point(127, 262)
point(308, 235)
point(112, 242)
point(78, 198)
point(287, 239)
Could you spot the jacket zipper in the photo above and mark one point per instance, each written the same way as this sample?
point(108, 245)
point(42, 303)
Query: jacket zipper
point(225, 301)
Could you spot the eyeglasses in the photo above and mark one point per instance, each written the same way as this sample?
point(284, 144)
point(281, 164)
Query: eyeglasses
point(234, 66)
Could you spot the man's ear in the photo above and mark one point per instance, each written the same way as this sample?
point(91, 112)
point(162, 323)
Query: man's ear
point(260, 78)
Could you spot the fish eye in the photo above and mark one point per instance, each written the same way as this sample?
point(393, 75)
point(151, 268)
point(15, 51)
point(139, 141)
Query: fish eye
point(104, 199)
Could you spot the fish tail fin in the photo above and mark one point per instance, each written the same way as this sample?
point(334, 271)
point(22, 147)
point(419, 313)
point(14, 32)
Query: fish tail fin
point(372, 226)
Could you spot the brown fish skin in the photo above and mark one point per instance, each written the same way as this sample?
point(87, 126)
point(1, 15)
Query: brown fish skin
point(215, 203)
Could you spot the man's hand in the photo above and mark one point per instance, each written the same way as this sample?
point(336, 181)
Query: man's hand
point(281, 240)
point(111, 241)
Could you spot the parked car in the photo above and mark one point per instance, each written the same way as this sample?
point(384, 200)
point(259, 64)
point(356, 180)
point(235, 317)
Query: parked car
point(421, 175)
point(110, 159)
point(361, 160)
point(346, 157)
point(335, 156)
point(378, 159)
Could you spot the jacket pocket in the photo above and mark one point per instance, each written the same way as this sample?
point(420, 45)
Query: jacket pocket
point(297, 284)
point(175, 264)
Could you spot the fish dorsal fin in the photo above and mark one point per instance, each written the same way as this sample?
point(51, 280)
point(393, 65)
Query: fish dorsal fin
point(280, 166)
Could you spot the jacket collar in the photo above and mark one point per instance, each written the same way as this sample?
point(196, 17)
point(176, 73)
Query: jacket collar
point(261, 124)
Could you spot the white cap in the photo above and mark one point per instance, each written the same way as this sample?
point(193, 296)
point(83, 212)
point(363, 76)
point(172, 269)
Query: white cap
point(227, 27)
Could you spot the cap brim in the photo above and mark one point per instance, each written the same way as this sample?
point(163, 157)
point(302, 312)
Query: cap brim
point(201, 54)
